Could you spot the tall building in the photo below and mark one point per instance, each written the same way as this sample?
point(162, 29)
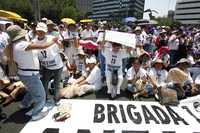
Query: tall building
point(188, 11)
point(117, 9)
point(84, 6)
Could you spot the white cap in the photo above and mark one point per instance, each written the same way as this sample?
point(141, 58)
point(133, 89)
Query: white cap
point(41, 27)
point(91, 60)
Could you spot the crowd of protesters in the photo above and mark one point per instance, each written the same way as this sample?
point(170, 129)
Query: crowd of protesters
point(71, 60)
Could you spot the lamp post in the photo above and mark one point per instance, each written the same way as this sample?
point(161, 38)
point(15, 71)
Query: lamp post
point(36, 8)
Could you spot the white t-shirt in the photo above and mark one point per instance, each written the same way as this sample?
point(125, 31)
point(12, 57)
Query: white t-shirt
point(131, 74)
point(25, 59)
point(30, 36)
point(139, 40)
point(49, 57)
point(86, 34)
point(80, 63)
point(114, 60)
point(94, 78)
point(160, 76)
point(3, 41)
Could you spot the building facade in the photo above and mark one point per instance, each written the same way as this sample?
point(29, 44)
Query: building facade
point(117, 9)
point(84, 6)
point(188, 11)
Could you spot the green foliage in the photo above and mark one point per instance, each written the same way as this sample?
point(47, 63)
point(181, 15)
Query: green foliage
point(51, 9)
point(167, 21)
point(21, 7)
point(70, 12)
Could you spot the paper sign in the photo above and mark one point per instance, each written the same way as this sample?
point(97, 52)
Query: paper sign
point(126, 39)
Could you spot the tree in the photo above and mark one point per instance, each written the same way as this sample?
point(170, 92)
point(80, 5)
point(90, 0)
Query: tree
point(70, 12)
point(165, 21)
point(21, 7)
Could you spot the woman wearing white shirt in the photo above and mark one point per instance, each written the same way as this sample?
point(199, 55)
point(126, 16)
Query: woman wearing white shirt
point(158, 73)
point(137, 80)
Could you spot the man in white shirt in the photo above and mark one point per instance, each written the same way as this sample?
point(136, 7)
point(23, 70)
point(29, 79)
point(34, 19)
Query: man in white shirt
point(50, 59)
point(70, 36)
point(87, 34)
point(26, 57)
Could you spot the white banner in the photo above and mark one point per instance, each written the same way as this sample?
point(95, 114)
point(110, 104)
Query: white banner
point(126, 39)
point(98, 116)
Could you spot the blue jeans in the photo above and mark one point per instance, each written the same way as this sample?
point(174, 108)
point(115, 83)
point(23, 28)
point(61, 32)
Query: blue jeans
point(36, 92)
point(102, 62)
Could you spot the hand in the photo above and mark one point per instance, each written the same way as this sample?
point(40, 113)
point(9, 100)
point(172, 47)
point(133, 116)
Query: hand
point(55, 40)
point(144, 79)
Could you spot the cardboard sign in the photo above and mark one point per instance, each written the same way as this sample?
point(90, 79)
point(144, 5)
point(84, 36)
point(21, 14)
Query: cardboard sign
point(125, 39)
point(98, 116)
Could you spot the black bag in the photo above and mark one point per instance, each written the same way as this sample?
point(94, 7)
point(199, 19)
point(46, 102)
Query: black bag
point(66, 43)
point(114, 81)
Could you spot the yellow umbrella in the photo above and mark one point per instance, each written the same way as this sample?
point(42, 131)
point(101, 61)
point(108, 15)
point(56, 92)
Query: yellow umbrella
point(18, 19)
point(11, 15)
point(68, 21)
point(86, 20)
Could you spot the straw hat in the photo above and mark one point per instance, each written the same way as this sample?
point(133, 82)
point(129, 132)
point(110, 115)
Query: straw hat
point(41, 27)
point(15, 32)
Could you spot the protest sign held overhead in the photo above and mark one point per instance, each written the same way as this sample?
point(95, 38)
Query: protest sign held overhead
point(125, 39)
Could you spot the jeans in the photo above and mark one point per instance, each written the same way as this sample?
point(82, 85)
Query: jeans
point(35, 92)
point(102, 61)
point(56, 75)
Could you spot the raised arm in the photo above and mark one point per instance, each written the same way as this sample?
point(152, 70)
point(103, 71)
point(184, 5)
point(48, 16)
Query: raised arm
point(32, 45)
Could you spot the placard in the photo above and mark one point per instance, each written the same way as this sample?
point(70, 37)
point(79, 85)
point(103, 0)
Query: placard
point(126, 39)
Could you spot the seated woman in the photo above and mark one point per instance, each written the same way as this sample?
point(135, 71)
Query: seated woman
point(158, 73)
point(137, 80)
point(88, 83)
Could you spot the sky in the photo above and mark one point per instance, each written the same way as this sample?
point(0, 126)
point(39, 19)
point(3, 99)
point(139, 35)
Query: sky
point(162, 6)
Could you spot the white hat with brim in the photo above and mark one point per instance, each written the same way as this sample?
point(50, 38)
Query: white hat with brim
point(91, 60)
point(157, 61)
point(41, 27)
point(197, 80)
point(50, 22)
point(183, 60)
point(15, 32)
